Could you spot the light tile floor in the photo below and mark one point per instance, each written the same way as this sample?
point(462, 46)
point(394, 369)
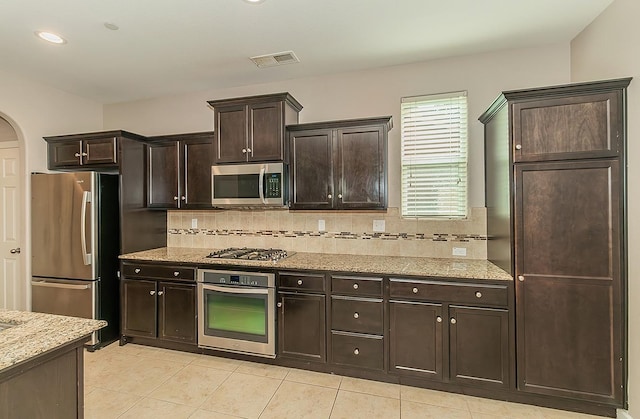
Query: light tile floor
point(135, 381)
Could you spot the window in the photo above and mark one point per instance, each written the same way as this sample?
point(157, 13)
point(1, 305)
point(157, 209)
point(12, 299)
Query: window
point(434, 155)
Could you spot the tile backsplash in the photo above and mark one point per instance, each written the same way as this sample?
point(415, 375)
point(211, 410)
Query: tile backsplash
point(344, 232)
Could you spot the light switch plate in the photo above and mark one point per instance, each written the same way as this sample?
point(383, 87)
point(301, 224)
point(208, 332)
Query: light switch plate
point(378, 226)
point(459, 251)
point(194, 223)
point(321, 225)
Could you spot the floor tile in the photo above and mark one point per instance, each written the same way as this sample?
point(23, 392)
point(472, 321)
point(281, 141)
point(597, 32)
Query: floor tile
point(562, 414)
point(374, 388)
point(298, 401)
point(141, 376)
point(433, 397)
point(107, 404)
point(191, 385)
point(351, 405)
point(155, 409)
point(242, 395)
point(263, 370)
point(169, 355)
point(206, 414)
point(224, 364)
point(413, 410)
point(314, 378)
point(502, 409)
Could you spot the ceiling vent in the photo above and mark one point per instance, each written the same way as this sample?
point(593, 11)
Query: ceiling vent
point(272, 60)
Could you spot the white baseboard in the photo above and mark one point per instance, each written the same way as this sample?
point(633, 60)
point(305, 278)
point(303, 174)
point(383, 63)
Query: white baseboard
point(623, 414)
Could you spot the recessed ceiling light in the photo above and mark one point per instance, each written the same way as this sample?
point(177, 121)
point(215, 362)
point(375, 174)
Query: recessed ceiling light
point(254, 1)
point(50, 37)
point(111, 26)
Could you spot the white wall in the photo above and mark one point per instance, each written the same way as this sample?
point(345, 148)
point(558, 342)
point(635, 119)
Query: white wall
point(608, 48)
point(35, 110)
point(370, 93)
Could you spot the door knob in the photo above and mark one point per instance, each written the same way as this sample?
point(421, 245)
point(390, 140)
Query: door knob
point(14, 251)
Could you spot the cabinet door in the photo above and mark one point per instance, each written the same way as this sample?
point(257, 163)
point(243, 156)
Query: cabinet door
point(138, 308)
point(64, 154)
point(569, 317)
point(266, 136)
point(197, 158)
point(163, 175)
point(231, 134)
point(415, 336)
point(177, 312)
point(301, 326)
point(100, 152)
point(311, 170)
point(568, 128)
point(479, 346)
point(360, 168)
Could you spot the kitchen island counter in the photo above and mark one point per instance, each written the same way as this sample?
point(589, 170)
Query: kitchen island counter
point(368, 264)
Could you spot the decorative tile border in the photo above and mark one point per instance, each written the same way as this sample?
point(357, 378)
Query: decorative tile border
point(436, 237)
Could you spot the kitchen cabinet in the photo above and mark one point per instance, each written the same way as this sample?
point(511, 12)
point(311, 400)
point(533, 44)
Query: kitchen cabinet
point(158, 302)
point(179, 171)
point(339, 164)
point(433, 337)
point(556, 220)
point(357, 322)
point(251, 129)
point(301, 316)
point(76, 152)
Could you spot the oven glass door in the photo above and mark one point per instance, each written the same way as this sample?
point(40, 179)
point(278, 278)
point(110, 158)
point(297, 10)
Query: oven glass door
point(234, 186)
point(236, 312)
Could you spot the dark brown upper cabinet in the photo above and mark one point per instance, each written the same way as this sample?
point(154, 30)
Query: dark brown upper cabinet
point(251, 129)
point(555, 168)
point(339, 164)
point(92, 151)
point(179, 171)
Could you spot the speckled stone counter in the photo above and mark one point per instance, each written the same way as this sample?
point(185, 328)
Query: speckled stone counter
point(381, 265)
point(33, 334)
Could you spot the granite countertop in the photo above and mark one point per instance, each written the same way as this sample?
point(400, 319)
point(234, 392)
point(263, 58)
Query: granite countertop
point(33, 334)
point(381, 265)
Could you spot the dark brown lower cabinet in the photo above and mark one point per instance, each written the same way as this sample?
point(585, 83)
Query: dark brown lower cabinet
point(301, 326)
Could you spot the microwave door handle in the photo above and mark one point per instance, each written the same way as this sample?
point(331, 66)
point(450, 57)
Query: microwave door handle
point(237, 290)
point(261, 185)
point(86, 198)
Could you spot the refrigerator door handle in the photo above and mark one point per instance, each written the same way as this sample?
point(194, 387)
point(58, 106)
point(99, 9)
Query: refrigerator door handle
point(58, 285)
point(86, 198)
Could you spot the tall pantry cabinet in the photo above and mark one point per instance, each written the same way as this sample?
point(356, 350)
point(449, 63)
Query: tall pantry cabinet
point(555, 168)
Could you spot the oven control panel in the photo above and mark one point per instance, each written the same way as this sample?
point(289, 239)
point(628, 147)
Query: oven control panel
point(247, 279)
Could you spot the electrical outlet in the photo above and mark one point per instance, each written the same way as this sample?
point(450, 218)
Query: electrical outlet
point(378, 226)
point(459, 251)
point(194, 223)
point(321, 225)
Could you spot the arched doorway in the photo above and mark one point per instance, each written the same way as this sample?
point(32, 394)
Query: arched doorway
point(13, 289)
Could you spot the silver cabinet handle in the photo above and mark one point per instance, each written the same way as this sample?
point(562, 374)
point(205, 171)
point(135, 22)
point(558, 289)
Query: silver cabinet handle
point(479, 294)
point(279, 304)
point(136, 270)
point(439, 319)
point(415, 290)
point(356, 315)
point(77, 154)
point(520, 278)
point(160, 292)
point(84, 154)
point(339, 196)
point(14, 251)
point(299, 281)
point(356, 286)
point(184, 198)
point(176, 273)
point(244, 151)
point(453, 321)
point(518, 147)
point(329, 196)
point(356, 351)
point(152, 293)
point(248, 150)
point(175, 198)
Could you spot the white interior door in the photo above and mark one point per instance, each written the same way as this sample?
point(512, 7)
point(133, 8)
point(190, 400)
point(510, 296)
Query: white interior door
point(11, 286)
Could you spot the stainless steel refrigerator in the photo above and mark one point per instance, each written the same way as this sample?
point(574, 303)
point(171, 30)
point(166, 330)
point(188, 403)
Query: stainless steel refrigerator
point(74, 248)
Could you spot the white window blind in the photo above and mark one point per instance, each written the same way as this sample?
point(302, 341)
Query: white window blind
point(434, 155)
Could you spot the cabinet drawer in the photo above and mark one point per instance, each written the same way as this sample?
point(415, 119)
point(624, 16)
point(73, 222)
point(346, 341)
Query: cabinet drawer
point(450, 292)
point(357, 315)
point(300, 281)
point(357, 351)
point(133, 270)
point(356, 285)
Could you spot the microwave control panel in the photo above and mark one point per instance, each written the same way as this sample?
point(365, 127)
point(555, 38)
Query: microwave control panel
point(273, 185)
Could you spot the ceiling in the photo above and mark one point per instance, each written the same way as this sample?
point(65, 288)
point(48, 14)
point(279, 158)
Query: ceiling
point(167, 47)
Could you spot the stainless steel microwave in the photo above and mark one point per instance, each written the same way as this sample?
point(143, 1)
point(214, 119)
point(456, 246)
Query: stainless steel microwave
point(249, 185)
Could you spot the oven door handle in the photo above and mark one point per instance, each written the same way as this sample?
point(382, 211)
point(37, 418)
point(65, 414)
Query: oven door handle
point(236, 290)
point(261, 184)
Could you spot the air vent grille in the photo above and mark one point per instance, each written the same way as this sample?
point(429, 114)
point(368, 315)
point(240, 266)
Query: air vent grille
point(278, 58)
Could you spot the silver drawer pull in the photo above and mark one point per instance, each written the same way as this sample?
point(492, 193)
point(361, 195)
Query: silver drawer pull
point(453, 321)
point(299, 281)
point(415, 290)
point(356, 351)
point(356, 315)
point(136, 270)
point(520, 278)
point(518, 147)
point(439, 319)
point(355, 286)
point(176, 273)
point(479, 294)
point(279, 304)
point(152, 293)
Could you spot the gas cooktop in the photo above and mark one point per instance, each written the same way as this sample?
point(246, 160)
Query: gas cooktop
point(248, 253)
